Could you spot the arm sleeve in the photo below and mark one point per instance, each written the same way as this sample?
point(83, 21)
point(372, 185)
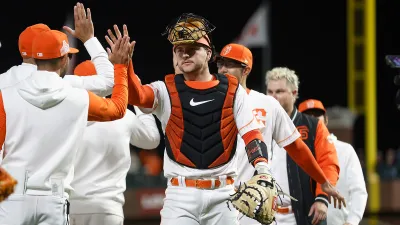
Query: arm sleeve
point(103, 109)
point(302, 155)
point(356, 187)
point(326, 156)
point(103, 83)
point(144, 131)
point(140, 95)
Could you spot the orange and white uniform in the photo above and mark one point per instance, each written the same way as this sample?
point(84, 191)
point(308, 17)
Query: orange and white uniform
point(42, 122)
point(102, 163)
point(101, 85)
point(278, 132)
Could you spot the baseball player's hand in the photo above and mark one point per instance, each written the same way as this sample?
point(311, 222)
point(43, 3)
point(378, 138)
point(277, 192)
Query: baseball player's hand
point(84, 29)
point(319, 210)
point(7, 184)
point(120, 51)
point(331, 191)
point(347, 224)
point(111, 38)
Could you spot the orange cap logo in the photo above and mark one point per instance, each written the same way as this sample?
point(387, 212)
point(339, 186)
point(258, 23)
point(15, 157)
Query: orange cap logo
point(227, 50)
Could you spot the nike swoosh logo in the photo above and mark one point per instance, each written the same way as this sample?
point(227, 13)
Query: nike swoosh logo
point(192, 103)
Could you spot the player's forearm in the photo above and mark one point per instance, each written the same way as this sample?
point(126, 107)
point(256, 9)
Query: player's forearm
point(302, 155)
point(256, 150)
point(357, 206)
point(147, 135)
point(102, 109)
point(104, 68)
point(140, 95)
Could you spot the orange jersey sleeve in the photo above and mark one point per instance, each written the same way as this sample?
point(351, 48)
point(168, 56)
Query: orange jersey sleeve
point(326, 156)
point(139, 95)
point(103, 109)
point(302, 155)
point(2, 121)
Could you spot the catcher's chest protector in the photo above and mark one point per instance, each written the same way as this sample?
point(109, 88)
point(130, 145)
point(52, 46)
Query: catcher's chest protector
point(201, 131)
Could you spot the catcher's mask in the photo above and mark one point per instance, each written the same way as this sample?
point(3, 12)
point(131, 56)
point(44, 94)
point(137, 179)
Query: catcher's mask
point(191, 29)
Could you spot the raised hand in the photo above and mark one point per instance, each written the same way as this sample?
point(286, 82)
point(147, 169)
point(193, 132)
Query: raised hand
point(111, 40)
point(120, 51)
point(84, 29)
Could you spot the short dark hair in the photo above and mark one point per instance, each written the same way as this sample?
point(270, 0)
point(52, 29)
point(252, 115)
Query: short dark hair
point(52, 62)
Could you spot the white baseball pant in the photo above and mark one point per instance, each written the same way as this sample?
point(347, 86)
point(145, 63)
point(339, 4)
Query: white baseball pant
point(192, 206)
point(96, 219)
point(285, 219)
point(33, 210)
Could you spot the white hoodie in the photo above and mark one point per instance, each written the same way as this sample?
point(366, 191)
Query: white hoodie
point(351, 185)
point(101, 85)
point(103, 160)
point(45, 122)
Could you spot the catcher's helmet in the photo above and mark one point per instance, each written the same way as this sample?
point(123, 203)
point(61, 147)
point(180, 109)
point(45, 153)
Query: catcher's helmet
point(189, 28)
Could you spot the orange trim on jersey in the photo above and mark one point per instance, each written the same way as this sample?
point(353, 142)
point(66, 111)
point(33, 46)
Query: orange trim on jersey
point(294, 131)
point(175, 128)
point(251, 135)
point(2, 122)
point(302, 155)
point(139, 95)
point(228, 125)
point(326, 156)
point(103, 109)
point(202, 85)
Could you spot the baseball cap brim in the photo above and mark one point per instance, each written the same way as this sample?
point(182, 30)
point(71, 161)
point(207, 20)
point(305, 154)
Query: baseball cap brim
point(73, 50)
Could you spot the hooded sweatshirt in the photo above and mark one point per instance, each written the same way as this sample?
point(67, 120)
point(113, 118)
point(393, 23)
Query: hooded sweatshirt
point(44, 123)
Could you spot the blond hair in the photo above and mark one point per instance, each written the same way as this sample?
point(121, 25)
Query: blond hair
point(289, 75)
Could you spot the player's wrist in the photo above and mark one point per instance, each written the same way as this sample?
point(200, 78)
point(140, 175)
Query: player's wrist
point(322, 198)
point(262, 167)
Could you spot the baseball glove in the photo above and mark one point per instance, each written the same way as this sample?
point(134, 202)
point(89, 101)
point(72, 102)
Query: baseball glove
point(7, 184)
point(257, 198)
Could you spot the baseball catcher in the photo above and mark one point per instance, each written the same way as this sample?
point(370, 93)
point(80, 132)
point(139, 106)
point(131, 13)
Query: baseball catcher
point(7, 184)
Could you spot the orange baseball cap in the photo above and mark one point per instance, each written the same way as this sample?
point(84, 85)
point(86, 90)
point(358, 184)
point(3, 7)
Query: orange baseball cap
point(25, 39)
point(85, 68)
point(239, 53)
point(311, 104)
point(50, 45)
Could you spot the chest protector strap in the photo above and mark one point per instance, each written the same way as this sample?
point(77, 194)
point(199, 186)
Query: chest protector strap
point(201, 131)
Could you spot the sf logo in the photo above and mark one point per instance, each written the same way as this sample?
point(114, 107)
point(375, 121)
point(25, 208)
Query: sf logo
point(303, 130)
point(260, 115)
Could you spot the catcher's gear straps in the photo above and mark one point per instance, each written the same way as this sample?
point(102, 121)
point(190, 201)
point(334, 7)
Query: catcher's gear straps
point(256, 149)
point(201, 136)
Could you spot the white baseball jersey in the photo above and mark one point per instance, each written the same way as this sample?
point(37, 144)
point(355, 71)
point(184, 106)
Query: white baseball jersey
point(103, 160)
point(244, 120)
point(101, 85)
point(279, 129)
point(351, 185)
point(43, 132)
point(279, 169)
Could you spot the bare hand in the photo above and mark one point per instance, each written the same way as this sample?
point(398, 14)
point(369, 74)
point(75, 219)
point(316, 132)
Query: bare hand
point(84, 29)
point(319, 209)
point(120, 51)
point(347, 224)
point(331, 191)
point(111, 39)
